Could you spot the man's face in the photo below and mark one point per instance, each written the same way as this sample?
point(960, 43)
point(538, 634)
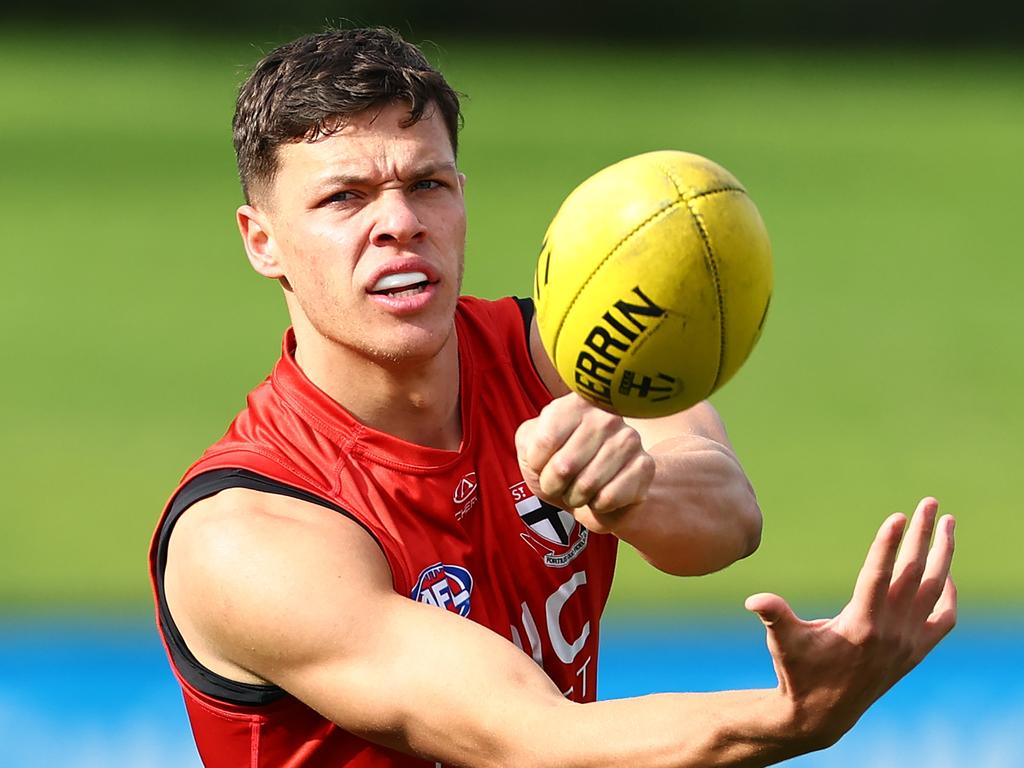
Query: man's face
point(367, 227)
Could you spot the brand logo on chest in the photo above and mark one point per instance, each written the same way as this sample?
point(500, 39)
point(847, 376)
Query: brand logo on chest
point(551, 532)
point(464, 495)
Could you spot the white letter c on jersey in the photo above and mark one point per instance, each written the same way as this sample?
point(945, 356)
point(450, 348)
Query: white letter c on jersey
point(565, 650)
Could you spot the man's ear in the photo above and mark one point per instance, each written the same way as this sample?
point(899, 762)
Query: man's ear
point(258, 238)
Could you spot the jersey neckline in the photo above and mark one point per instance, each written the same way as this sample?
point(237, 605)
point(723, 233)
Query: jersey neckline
point(331, 419)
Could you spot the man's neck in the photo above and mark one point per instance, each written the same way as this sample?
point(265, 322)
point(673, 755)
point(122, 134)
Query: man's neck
point(417, 401)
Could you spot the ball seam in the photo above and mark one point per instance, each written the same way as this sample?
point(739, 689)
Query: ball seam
point(709, 259)
point(612, 252)
point(706, 192)
point(713, 266)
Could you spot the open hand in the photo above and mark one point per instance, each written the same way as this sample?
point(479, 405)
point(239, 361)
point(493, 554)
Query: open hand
point(832, 670)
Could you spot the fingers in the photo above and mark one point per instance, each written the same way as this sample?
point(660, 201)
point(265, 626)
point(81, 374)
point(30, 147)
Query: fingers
point(907, 603)
point(538, 439)
point(576, 455)
point(626, 488)
point(903, 604)
point(872, 588)
point(588, 459)
point(910, 565)
point(936, 598)
point(606, 509)
point(943, 616)
point(935, 582)
point(613, 476)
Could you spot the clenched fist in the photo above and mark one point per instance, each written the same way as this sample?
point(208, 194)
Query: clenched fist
point(585, 460)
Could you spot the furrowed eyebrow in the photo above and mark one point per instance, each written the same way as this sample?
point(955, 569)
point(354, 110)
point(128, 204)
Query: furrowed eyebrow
point(357, 180)
point(432, 169)
point(344, 180)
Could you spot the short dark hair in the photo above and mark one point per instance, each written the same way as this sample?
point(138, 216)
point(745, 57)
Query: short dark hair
point(306, 88)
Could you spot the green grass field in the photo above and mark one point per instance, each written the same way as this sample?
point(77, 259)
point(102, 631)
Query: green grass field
point(890, 368)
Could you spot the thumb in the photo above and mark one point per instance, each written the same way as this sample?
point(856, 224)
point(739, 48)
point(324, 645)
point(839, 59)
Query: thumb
point(775, 612)
point(523, 438)
point(524, 443)
point(781, 627)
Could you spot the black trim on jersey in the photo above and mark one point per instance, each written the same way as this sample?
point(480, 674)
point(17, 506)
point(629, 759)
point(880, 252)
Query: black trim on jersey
point(527, 310)
point(198, 488)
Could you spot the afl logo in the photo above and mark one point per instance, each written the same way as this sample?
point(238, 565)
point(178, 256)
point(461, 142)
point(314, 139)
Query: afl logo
point(444, 586)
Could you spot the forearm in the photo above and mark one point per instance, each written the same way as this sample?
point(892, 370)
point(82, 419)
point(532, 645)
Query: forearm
point(671, 486)
point(496, 707)
point(740, 729)
point(700, 513)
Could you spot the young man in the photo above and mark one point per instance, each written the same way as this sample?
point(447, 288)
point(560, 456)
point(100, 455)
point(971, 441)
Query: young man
point(344, 578)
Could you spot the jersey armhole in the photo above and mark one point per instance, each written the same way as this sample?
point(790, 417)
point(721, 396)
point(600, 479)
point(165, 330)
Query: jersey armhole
point(527, 311)
point(202, 486)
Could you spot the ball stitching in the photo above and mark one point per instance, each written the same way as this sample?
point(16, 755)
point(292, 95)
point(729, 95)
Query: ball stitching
point(713, 266)
point(682, 198)
point(612, 252)
point(709, 259)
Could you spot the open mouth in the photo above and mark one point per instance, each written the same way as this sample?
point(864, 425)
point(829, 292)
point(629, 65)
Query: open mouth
point(401, 284)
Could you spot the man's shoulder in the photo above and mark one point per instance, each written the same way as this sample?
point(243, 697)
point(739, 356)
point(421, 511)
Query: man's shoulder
point(510, 304)
point(242, 552)
point(501, 321)
point(288, 431)
point(501, 330)
point(238, 517)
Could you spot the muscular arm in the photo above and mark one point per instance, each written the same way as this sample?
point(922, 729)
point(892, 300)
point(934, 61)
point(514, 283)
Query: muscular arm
point(274, 589)
point(679, 495)
point(700, 512)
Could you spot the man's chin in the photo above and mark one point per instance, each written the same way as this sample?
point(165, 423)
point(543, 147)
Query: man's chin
point(413, 346)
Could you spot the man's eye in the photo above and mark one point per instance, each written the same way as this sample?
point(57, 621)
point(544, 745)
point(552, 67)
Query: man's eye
point(428, 184)
point(344, 196)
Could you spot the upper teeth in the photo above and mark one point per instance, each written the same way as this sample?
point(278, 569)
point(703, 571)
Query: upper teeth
point(399, 280)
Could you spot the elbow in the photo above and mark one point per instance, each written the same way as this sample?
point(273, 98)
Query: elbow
point(734, 536)
point(743, 519)
point(742, 540)
point(750, 527)
point(740, 518)
point(738, 537)
point(745, 516)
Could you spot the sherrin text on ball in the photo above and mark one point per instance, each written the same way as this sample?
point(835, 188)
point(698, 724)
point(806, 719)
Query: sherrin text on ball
point(653, 283)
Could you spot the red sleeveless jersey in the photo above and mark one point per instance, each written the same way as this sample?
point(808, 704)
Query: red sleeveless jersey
point(460, 531)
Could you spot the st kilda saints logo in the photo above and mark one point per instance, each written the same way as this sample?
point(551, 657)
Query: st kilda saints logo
point(550, 531)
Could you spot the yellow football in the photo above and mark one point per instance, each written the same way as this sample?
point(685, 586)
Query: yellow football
point(653, 283)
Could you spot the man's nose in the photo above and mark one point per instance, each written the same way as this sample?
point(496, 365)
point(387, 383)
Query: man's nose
point(396, 222)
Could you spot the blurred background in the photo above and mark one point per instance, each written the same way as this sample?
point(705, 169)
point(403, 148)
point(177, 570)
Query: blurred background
point(883, 143)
